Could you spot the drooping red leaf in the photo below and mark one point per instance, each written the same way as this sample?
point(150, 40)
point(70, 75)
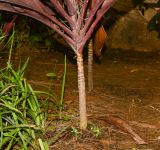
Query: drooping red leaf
point(41, 18)
point(54, 14)
point(8, 26)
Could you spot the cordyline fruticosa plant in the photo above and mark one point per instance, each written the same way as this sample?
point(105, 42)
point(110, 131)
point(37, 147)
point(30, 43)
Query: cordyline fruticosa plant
point(74, 20)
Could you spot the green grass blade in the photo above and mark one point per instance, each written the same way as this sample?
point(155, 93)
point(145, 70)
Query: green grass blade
point(9, 136)
point(43, 145)
point(63, 82)
point(23, 139)
point(23, 68)
point(1, 131)
point(12, 140)
point(7, 105)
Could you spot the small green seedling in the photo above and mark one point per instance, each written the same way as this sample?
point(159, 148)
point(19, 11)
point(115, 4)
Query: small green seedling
point(75, 132)
point(95, 130)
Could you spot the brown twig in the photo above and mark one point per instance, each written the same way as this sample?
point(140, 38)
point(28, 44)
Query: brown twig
point(123, 125)
point(144, 125)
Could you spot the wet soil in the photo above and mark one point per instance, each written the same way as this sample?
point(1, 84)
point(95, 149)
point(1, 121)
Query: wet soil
point(126, 84)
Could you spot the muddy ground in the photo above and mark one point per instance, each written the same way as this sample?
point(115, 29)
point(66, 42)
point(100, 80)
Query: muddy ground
point(126, 85)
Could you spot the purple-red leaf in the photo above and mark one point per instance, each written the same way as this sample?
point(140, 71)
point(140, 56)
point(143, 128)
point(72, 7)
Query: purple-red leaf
point(61, 11)
point(71, 9)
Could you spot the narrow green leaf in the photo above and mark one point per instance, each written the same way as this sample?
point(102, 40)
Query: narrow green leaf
point(51, 75)
point(43, 145)
point(63, 82)
point(10, 107)
point(1, 125)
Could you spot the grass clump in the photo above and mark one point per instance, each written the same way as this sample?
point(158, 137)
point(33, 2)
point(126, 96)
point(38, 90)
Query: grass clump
point(21, 118)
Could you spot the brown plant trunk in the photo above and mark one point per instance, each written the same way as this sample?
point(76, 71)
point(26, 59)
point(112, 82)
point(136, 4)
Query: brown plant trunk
point(90, 66)
point(82, 92)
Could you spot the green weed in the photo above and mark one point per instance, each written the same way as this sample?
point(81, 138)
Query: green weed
point(95, 130)
point(22, 121)
point(21, 117)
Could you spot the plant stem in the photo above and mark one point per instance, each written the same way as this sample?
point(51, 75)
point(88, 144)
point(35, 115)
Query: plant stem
point(90, 66)
point(82, 93)
point(63, 87)
point(11, 40)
